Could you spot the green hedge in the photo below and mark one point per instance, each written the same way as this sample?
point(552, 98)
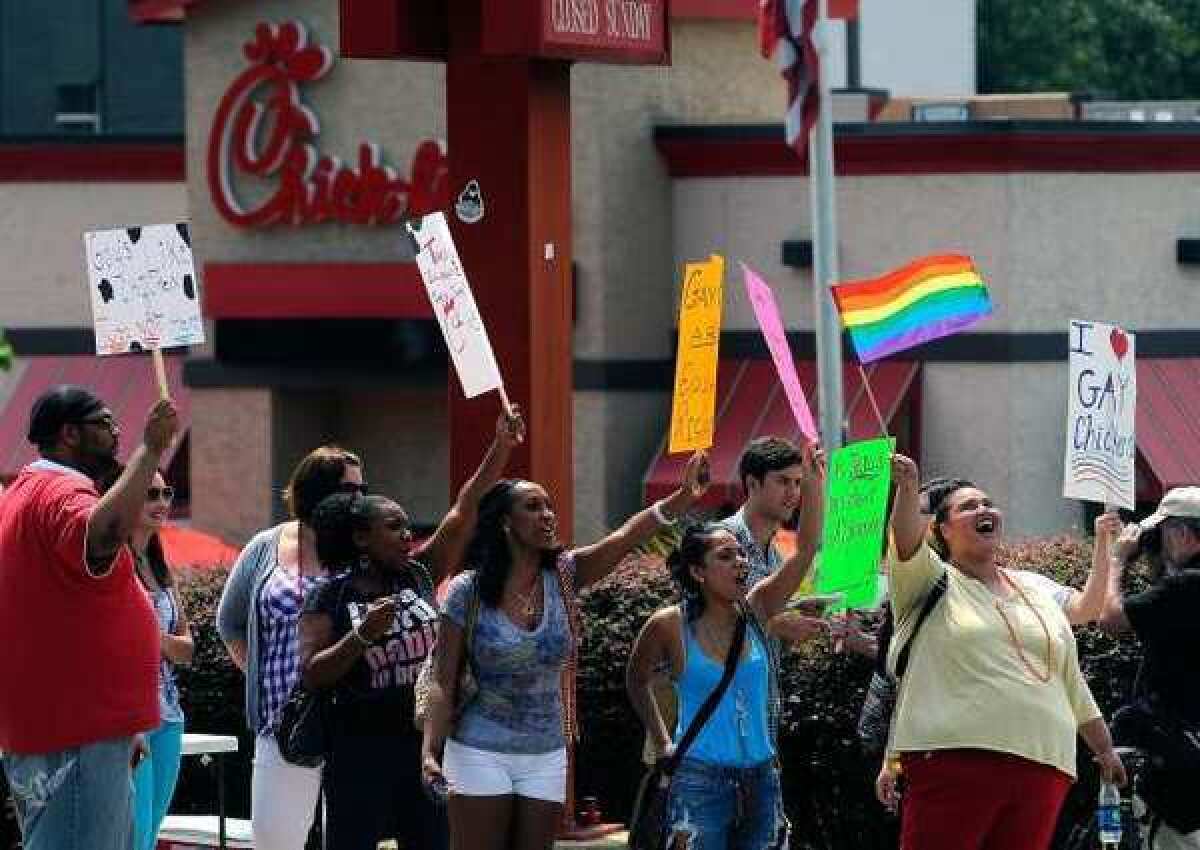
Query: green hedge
point(827, 784)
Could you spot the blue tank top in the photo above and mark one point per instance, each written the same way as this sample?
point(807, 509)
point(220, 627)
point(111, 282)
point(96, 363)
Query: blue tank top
point(737, 734)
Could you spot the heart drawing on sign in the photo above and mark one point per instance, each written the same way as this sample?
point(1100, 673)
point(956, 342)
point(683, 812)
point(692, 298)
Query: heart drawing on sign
point(1119, 342)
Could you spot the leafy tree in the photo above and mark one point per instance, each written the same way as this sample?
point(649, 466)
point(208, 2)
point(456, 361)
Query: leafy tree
point(1131, 49)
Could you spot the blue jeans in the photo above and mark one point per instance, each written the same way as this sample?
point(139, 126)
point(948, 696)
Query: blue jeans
point(154, 782)
point(726, 808)
point(76, 799)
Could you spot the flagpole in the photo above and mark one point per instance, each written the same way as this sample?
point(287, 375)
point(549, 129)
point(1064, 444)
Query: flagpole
point(825, 265)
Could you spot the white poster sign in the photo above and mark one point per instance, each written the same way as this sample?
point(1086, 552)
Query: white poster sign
point(454, 305)
point(143, 288)
point(1101, 411)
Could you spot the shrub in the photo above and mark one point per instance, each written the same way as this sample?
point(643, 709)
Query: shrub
point(828, 786)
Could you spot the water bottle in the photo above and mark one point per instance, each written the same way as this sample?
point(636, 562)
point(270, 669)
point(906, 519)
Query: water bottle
point(1108, 816)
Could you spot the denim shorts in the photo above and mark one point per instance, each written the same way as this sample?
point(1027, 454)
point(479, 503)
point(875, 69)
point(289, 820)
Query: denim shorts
point(711, 807)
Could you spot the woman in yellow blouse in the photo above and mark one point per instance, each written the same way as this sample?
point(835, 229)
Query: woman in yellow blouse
point(993, 696)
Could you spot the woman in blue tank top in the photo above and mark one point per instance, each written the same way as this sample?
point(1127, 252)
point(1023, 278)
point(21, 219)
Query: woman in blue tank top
point(725, 793)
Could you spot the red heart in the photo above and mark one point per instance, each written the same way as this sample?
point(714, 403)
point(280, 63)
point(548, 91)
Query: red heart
point(1119, 342)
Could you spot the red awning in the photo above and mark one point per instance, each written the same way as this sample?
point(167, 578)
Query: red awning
point(1168, 424)
point(125, 382)
point(751, 403)
point(194, 549)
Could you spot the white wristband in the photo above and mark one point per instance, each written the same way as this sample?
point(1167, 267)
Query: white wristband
point(656, 511)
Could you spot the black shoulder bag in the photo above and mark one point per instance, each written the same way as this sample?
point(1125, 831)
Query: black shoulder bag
point(648, 826)
point(880, 702)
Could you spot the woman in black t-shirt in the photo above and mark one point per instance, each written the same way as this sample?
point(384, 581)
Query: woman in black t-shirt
point(364, 636)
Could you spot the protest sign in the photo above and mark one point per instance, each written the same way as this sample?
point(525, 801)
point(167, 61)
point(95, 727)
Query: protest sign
point(762, 299)
point(1101, 411)
point(693, 407)
point(454, 305)
point(142, 284)
point(852, 545)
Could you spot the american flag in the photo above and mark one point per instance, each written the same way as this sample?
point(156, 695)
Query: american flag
point(785, 29)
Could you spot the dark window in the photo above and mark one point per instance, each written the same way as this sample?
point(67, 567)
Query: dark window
point(84, 67)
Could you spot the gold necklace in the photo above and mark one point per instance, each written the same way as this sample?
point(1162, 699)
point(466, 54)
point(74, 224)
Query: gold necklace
point(529, 609)
point(1012, 633)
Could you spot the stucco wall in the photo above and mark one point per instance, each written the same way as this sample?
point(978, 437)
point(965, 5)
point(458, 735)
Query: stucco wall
point(1051, 246)
point(42, 277)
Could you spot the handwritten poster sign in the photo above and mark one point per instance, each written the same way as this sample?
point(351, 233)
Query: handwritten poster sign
point(143, 288)
point(1101, 408)
point(454, 305)
point(694, 406)
point(762, 299)
point(858, 481)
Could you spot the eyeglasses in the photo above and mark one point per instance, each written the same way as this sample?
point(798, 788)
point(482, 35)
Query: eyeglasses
point(352, 487)
point(165, 494)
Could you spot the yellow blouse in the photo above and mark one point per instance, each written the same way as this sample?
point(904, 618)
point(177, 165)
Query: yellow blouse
point(967, 686)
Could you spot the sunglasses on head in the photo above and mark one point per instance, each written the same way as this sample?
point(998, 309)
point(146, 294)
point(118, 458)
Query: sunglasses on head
point(351, 487)
point(165, 494)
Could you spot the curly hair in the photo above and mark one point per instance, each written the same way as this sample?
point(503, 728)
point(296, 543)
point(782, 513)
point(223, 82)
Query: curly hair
point(693, 546)
point(487, 551)
point(334, 521)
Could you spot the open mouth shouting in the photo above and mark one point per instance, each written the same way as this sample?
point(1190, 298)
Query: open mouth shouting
point(987, 525)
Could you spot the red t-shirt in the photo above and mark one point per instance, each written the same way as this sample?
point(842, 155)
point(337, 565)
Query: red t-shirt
point(78, 653)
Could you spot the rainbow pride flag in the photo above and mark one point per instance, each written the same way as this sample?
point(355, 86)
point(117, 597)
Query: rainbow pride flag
point(927, 299)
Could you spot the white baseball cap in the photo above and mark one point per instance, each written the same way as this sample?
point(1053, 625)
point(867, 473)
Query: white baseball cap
point(1179, 502)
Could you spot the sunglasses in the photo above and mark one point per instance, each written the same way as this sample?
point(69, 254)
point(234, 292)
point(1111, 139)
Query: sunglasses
point(351, 487)
point(165, 494)
point(106, 421)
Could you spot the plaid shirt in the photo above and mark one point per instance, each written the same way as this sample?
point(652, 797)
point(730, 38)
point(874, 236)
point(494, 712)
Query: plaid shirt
point(279, 606)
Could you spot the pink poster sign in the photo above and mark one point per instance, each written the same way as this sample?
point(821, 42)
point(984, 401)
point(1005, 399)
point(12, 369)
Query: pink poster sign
point(767, 313)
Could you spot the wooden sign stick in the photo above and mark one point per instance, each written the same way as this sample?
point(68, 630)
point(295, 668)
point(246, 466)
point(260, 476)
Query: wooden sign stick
point(160, 373)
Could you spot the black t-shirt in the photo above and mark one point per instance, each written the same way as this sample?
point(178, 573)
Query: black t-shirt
point(377, 692)
point(1166, 619)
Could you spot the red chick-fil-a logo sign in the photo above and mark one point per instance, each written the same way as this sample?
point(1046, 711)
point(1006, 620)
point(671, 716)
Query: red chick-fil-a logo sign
point(263, 131)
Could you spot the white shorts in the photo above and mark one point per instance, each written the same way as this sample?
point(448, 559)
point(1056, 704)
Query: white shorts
point(483, 773)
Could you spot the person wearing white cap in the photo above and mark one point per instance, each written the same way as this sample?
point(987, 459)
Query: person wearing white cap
point(1165, 717)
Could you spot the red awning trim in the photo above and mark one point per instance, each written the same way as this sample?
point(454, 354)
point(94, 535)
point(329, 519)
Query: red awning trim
point(314, 291)
point(1168, 423)
point(125, 382)
point(751, 403)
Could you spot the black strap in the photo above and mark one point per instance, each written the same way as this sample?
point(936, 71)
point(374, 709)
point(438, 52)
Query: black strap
point(710, 704)
point(939, 590)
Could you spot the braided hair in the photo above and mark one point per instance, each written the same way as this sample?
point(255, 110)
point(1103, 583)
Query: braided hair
point(487, 552)
point(690, 552)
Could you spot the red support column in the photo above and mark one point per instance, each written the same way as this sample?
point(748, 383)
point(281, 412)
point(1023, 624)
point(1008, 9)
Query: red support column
point(508, 126)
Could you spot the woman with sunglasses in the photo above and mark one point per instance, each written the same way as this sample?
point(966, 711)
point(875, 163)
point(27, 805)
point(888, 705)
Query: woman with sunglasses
point(364, 637)
point(257, 618)
point(993, 697)
point(154, 778)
